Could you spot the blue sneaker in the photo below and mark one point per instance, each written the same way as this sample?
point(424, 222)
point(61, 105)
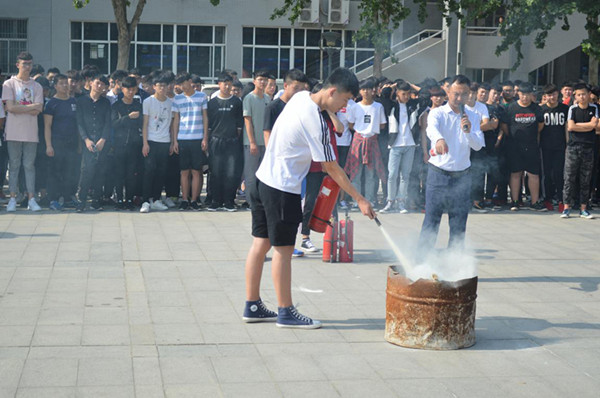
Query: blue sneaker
point(54, 205)
point(298, 253)
point(565, 213)
point(257, 311)
point(586, 214)
point(289, 317)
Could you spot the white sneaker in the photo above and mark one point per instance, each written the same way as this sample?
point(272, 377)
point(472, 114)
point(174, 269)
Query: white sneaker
point(169, 203)
point(401, 208)
point(12, 205)
point(308, 246)
point(145, 208)
point(33, 206)
point(158, 205)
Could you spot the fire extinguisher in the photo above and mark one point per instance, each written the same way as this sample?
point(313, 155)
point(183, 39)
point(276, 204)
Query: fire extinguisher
point(326, 200)
point(330, 243)
point(346, 242)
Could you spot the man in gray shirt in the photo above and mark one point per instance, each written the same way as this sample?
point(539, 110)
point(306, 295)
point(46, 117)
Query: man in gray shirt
point(255, 104)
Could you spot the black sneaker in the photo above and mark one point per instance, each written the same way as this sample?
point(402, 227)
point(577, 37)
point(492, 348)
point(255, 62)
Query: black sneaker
point(230, 207)
point(478, 207)
point(213, 207)
point(129, 205)
point(80, 207)
point(195, 205)
point(257, 311)
point(184, 205)
point(538, 206)
point(289, 317)
point(514, 206)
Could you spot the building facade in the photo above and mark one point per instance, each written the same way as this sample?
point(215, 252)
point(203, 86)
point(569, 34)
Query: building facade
point(195, 36)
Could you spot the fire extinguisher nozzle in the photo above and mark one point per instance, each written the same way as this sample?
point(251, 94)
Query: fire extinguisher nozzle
point(377, 221)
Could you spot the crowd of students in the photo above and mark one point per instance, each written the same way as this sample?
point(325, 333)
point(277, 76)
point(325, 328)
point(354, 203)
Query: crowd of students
point(125, 139)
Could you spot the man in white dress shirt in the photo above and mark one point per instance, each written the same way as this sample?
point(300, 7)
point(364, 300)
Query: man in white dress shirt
point(452, 137)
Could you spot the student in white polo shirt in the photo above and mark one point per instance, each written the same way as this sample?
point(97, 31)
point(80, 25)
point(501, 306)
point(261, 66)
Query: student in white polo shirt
point(452, 136)
point(298, 136)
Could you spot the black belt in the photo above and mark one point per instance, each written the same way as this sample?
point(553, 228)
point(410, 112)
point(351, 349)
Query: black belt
point(453, 174)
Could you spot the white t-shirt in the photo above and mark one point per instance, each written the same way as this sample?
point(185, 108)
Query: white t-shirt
point(299, 135)
point(480, 109)
point(401, 127)
point(346, 138)
point(367, 118)
point(159, 115)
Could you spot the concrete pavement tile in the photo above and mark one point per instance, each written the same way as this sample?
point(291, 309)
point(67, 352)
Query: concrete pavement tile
point(167, 315)
point(527, 387)
point(163, 285)
point(188, 351)
point(8, 392)
point(10, 371)
point(190, 370)
point(142, 334)
point(104, 372)
point(32, 273)
point(426, 388)
point(238, 350)
point(453, 364)
point(268, 333)
point(16, 336)
point(27, 285)
point(466, 386)
point(112, 270)
point(146, 371)
point(396, 365)
point(105, 316)
point(240, 370)
point(149, 391)
point(178, 334)
point(61, 316)
point(77, 352)
point(19, 300)
point(57, 335)
point(43, 392)
point(298, 367)
point(258, 390)
point(582, 386)
point(314, 349)
point(139, 316)
point(56, 285)
point(202, 284)
point(106, 392)
point(345, 367)
point(362, 388)
point(104, 284)
point(105, 335)
point(110, 298)
point(74, 299)
point(53, 372)
point(299, 389)
point(69, 273)
point(18, 316)
point(193, 390)
point(137, 299)
point(144, 351)
point(164, 255)
point(227, 333)
point(168, 299)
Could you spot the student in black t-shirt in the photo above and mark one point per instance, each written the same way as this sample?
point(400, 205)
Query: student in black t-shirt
point(522, 124)
point(579, 162)
point(497, 169)
point(61, 137)
point(553, 143)
point(127, 124)
point(225, 124)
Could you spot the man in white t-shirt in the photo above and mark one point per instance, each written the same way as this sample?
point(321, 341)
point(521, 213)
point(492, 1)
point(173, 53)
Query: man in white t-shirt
point(366, 118)
point(298, 136)
point(156, 143)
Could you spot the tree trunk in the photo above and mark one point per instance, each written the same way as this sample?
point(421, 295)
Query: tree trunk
point(124, 44)
point(593, 71)
point(126, 30)
point(377, 62)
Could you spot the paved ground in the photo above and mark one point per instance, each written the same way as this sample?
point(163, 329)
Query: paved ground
point(129, 305)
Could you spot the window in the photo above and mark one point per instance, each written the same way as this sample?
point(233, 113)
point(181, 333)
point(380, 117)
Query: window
point(280, 49)
point(193, 48)
point(13, 40)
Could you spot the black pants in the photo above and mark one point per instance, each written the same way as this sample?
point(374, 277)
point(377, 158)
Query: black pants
point(478, 170)
point(579, 163)
point(553, 161)
point(155, 169)
point(313, 183)
point(62, 169)
point(385, 156)
point(225, 156)
point(3, 159)
point(127, 165)
point(172, 176)
point(93, 170)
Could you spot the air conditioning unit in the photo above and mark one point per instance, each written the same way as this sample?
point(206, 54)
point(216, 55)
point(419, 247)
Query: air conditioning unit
point(310, 14)
point(339, 12)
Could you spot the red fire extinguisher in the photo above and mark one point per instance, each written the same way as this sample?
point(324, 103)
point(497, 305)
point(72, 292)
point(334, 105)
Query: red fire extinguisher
point(346, 241)
point(330, 243)
point(326, 200)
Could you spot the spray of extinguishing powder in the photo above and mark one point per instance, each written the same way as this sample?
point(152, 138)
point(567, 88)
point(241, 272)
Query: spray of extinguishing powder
point(404, 261)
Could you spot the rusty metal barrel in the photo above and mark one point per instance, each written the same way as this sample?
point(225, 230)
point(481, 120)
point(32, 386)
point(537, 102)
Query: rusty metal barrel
point(430, 314)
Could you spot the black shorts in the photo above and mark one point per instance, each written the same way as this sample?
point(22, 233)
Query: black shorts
point(191, 155)
point(276, 215)
point(524, 158)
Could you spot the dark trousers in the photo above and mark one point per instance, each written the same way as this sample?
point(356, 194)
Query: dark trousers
point(3, 159)
point(93, 172)
point(172, 176)
point(62, 169)
point(579, 163)
point(445, 192)
point(42, 166)
point(225, 158)
point(155, 169)
point(478, 170)
point(417, 179)
point(503, 175)
point(385, 157)
point(553, 161)
point(313, 183)
point(127, 166)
